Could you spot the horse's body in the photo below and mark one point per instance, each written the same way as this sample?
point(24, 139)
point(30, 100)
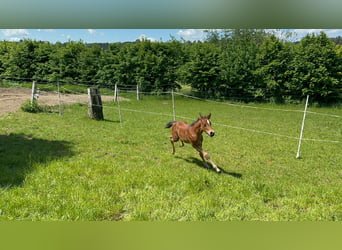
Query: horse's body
point(193, 134)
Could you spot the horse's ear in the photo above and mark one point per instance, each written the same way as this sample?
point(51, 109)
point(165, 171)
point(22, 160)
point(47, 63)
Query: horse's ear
point(209, 116)
point(200, 115)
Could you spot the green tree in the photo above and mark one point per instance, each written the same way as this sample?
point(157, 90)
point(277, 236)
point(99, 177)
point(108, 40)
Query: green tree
point(5, 48)
point(272, 69)
point(239, 62)
point(316, 69)
point(202, 71)
point(157, 63)
point(126, 64)
point(21, 62)
point(105, 74)
point(152, 65)
point(67, 61)
point(43, 54)
point(89, 64)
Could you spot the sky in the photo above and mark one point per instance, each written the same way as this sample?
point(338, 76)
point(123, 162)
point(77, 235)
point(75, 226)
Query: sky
point(126, 35)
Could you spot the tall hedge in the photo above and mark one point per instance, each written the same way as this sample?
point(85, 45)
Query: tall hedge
point(241, 64)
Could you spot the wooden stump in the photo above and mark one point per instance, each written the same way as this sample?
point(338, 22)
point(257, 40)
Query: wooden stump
point(95, 104)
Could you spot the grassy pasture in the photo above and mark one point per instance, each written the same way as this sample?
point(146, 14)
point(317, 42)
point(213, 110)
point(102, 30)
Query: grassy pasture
point(73, 168)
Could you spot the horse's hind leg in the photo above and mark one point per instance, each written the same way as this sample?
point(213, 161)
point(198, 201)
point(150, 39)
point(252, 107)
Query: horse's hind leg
point(174, 138)
point(173, 145)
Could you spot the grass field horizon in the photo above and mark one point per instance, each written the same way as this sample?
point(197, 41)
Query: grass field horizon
point(72, 168)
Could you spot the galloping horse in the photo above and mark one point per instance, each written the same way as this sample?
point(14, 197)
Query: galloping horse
point(193, 134)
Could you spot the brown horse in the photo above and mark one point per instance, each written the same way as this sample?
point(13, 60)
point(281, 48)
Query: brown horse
point(193, 134)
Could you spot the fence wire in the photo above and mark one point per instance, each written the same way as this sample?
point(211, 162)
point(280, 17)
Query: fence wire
point(70, 92)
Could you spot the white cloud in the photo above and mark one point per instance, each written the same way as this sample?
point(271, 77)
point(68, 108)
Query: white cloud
point(46, 30)
point(15, 32)
point(92, 31)
point(68, 37)
point(191, 34)
point(300, 33)
point(14, 39)
point(15, 35)
point(143, 37)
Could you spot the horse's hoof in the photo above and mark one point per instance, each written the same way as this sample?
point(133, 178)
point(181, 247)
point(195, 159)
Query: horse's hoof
point(218, 171)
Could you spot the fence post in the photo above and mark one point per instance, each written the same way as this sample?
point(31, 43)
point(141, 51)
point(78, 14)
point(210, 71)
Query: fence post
point(173, 105)
point(59, 100)
point(95, 104)
point(302, 129)
point(137, 92)
point(115, 92)
point(119, 108)
point(34, 95)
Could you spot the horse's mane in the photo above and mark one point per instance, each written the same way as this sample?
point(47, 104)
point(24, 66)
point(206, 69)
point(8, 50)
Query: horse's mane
point(192, 124)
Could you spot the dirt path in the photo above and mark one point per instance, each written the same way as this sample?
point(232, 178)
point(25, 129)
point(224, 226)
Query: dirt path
point(11, 99)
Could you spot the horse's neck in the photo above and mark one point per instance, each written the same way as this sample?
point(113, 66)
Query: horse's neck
point(196, 128)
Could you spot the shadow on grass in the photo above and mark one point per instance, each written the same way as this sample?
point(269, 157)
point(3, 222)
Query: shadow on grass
point(200, 163)
point(106, 120)
point(19, 153)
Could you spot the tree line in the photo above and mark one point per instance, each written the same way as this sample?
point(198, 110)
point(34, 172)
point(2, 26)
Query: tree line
point(239, 64)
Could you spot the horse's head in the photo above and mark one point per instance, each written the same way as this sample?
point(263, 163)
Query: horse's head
point(206, 125)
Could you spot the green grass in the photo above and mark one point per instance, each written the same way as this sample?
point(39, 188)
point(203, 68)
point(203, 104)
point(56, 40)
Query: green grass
point(72, 168)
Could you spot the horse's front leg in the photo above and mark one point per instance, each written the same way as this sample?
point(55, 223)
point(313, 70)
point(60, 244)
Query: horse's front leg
point(205, 157)
point(202, 157)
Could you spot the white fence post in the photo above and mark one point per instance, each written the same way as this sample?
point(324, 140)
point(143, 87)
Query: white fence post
point(302, 129)
point(118, 100)
point(34, 94)
point(115, 92)
point(59, 100)
point(137, 92)
point(173, 105)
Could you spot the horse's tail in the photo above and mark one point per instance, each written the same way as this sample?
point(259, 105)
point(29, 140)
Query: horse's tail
point(169, 124)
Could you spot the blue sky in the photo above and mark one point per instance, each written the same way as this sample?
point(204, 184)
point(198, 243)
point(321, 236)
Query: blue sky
point(99, 35)
point(123, 35)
